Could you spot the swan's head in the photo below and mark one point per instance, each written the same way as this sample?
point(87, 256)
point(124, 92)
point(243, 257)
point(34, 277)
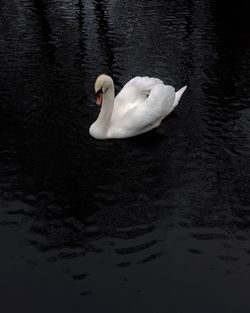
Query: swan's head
point(102, 84)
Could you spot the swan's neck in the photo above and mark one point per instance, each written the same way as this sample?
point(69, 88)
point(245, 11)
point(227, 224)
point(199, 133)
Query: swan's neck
point(107, 106)
point(103, 121)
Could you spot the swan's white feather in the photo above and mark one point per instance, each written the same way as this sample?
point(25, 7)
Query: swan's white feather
point(141, 106)
point(137, 88)
point(144, 113)
point(133, 94)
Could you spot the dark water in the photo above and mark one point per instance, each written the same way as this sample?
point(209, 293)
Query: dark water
point(158, 223)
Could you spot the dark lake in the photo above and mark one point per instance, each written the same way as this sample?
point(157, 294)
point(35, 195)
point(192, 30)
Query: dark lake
point(153, 224)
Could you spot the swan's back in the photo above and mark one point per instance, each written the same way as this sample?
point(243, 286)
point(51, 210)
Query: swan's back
point(134, 93)
point(137, 87)
point(153, 110)
point(141, 105)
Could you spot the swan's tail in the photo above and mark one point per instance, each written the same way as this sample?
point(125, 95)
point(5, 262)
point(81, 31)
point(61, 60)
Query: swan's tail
point(178, 95)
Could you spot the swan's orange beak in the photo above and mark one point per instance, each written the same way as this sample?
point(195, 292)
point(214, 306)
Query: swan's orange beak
point(99, 100)
point(99, 96)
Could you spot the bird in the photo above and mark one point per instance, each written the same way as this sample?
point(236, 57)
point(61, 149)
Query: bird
point(139, 107)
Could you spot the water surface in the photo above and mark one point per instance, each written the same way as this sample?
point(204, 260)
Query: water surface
point(157, 223)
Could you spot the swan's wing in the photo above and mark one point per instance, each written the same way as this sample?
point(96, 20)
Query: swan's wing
point(136, 89)
point(145, 115)
point(132, 94)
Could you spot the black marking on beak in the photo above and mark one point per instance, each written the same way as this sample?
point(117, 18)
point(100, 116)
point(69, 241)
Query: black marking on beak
point(99, 93)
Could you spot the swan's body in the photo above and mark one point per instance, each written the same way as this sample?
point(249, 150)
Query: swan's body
point(140, 106)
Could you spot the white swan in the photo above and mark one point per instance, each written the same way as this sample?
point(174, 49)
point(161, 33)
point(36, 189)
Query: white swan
point(140, 106)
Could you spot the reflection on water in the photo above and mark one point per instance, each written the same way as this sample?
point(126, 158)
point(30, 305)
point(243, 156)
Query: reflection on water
point(157, 218)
